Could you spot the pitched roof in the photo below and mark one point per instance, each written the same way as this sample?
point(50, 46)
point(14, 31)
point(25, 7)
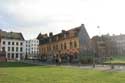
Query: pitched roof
point(11, 35)
point(46, 39)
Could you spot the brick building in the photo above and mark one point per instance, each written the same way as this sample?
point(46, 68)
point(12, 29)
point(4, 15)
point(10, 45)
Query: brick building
point(67, 46)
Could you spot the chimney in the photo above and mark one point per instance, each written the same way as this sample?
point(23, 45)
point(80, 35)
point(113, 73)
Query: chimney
point(63, 31)
point(50, 34)
point(82, 25)
point(45, 35)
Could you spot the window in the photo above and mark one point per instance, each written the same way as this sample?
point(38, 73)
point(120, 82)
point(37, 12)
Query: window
point(3, 48)
point(64, 35)
point(4, 42)
point(16, 43)
point(56, 47)
point(21, 43)
point(8, 43)
point(61, 46)
point(71, 45)
point(57, 38)
point(16, 55)
point(9, 55)
point(65, 47)
point(12, 48)
point(16, 49)
point(8, 48)
point(53, 47)
point(21, 55)
point(12, 43)
point(75, 44)
point(21, 49)
point(12, 55)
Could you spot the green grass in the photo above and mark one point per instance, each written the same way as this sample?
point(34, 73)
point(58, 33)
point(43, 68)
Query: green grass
point(53, 74)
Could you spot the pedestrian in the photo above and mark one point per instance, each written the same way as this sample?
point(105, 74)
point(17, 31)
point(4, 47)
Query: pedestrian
point(60, 60)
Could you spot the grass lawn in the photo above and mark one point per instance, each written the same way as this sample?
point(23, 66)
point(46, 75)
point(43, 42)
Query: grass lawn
point(24, 73)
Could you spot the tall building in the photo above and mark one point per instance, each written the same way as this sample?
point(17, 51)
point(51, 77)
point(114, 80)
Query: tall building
point(32, 50)
point(13, 44)
point(66, 46)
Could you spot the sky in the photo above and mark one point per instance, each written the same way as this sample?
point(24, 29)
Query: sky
point(34, 16)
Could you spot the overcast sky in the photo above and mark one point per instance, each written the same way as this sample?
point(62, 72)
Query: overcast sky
point(34, 16)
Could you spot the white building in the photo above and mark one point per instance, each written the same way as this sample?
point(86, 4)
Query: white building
point(13, 44)
point(32, 50)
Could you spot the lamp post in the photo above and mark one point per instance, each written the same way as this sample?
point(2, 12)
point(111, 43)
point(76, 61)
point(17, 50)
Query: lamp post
point(94, 54)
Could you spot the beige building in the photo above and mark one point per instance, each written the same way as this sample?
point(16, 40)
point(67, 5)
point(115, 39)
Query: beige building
point(66, 46)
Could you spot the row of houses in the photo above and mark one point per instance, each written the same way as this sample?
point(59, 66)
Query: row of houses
point(75, 45)
point(72, 46)
point(67, 46)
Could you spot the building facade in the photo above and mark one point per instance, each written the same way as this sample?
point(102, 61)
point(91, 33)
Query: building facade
point(2, 54)
point(13, 44)
point(106, 46)
point(66, 46)
point(101, 46)
point(32, 50)
point(118, 44)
